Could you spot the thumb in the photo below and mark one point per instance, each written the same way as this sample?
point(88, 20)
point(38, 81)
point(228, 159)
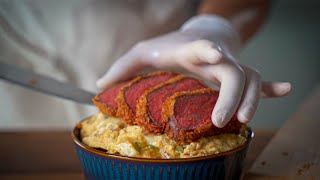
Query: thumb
point(124, 68)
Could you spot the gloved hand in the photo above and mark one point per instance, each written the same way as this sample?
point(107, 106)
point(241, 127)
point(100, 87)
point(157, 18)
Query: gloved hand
point(205, 45)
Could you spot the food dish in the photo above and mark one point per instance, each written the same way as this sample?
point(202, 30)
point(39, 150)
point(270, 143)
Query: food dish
point(158, 126)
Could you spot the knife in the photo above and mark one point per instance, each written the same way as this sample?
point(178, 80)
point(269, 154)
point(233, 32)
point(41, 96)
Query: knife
point(44, 84)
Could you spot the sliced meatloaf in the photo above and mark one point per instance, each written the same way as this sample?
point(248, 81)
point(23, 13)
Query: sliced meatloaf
point(131, 92)
point(148, 112)
point(187, 116)
point(106, 100)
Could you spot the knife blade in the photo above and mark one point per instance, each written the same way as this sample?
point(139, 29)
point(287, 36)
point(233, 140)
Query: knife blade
point(44, 84)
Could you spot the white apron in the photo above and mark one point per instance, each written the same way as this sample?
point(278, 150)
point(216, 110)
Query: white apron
point(74, 41)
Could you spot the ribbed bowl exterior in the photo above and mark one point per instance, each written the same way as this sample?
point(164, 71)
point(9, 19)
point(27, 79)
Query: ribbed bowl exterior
point(97, 167)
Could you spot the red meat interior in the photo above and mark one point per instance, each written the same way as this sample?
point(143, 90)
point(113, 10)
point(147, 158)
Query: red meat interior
point(134, 92)
point(192, 111)
point(108, 97)
point(157, 97)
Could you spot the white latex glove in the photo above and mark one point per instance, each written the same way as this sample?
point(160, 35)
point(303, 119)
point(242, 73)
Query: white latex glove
point(205, 45)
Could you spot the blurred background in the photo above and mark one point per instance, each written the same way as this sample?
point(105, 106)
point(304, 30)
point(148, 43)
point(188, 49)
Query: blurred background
point(286, 49)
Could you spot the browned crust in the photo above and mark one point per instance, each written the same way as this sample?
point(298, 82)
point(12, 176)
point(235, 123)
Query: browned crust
point(143, 118)
point(182, 136)
point(124, 111)
point(111, 111)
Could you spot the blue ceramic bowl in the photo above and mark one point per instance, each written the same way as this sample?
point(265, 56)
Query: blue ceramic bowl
point(98, 164)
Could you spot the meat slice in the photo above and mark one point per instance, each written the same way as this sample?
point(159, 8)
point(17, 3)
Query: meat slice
point(187, 116)
point(106, 101)
point(131, 92)
point(148, 113)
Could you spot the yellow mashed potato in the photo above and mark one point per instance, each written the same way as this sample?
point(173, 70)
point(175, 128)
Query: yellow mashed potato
point(114, 136)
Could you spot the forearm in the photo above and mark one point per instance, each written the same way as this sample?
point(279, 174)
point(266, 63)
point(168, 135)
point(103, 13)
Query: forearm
point(246, 15)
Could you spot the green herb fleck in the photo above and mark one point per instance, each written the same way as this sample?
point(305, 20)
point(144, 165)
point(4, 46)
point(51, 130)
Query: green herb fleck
point(138, 146)
point(152, 147)
point(179, 149)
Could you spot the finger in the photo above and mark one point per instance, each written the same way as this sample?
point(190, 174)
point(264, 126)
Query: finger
point(232, 84)
point(124, 68)
point(275, 89)
point(250, 97)
point(203, 72)
point(199, 52)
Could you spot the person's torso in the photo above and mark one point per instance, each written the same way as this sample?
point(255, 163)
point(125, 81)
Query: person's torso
point(76, 42)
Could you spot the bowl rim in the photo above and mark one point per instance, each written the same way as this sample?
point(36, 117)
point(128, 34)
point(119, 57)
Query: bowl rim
point(85, 147)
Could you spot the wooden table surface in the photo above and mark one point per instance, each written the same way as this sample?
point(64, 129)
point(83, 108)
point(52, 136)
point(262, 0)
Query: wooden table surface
point(294, 152)
point(50, 155)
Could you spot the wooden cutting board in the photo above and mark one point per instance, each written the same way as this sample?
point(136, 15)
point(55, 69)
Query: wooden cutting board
point(294, 152)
